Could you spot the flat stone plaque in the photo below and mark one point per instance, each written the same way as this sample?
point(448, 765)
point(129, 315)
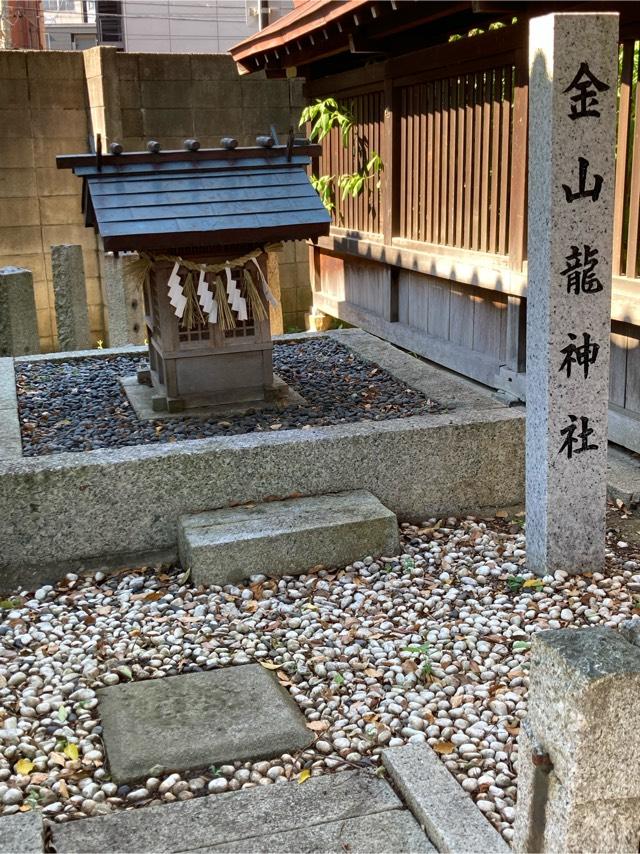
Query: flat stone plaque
point(199, 719)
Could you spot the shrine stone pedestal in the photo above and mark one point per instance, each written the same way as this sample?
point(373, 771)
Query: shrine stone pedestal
point(72, 316)
point(572, 122)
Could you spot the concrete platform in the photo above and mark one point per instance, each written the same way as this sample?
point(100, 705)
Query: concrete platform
point(285, 537)
point(141, 398)
point(120, 507)
point(234, 820)
point(198, 719)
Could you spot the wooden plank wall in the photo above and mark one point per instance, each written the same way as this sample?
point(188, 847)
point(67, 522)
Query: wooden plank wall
point(450, 123)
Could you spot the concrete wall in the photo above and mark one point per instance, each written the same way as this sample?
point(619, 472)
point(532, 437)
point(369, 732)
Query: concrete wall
point(50, 101)
point(43, 113)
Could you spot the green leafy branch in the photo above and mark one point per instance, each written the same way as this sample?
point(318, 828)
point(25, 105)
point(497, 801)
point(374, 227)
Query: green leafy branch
point(324, 115)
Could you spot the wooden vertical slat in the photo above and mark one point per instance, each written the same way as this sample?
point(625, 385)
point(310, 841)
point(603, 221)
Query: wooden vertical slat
point(505, 159)
point(391, 174)
point(468, 160)
point(424, 164)
point(451, 192)
point(459, 240)
point(403, 161)
point(477, 158)
point(410, 161)
point(495, 160)
point(634, 195)
point(517, 190)
point(428, 233)
point(624, 116)
point(437, 140)
point(632, 393)
point(444, 160)
point(486, 150)
point(417, 164)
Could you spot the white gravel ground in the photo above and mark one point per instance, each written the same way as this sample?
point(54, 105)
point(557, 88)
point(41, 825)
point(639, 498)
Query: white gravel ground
point(428, 646)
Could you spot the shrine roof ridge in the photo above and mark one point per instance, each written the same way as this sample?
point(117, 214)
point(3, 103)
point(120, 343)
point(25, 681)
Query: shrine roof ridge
point(274, 153)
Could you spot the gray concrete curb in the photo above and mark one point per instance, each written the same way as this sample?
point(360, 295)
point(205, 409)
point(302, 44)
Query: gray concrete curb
point(445, 811)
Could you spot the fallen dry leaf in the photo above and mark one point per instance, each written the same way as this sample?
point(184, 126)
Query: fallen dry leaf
point(444, 747)
point(304, 775)
point(318, 726)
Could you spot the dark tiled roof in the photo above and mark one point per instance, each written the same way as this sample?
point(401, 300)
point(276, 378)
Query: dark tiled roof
point(252, 195)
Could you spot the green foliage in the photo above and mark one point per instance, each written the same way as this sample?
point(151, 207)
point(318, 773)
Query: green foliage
point(425, 670)
point(324, 115)
point(476, 31)
point(515, 583)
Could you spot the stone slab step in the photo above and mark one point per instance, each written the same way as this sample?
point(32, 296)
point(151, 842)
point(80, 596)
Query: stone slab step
point(197, 719)
point(285, 537)
point(203, 823)
point(396, 831)
point(450, 818)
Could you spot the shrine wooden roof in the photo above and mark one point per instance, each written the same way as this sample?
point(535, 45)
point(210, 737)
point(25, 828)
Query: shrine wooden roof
point(199, 198)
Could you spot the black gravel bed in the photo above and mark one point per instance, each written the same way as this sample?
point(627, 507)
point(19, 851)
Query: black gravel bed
point(79, 405)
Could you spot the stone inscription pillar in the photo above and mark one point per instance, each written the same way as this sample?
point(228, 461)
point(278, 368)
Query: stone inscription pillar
point(572, 120)
point(72, 317)
point(18, 318)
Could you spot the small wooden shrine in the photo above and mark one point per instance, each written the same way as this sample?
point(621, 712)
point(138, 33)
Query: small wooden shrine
point(201, 222)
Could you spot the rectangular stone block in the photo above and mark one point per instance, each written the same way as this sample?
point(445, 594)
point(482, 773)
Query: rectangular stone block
point(124, 303)
point(285, 537)
point(198, 719)
point(72, 319)
point(222, 819)
point(22, 833)
point(450, 818)
point(18, 321)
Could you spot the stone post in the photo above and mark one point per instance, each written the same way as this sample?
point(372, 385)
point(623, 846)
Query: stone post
point(72, 317)
point(18, 318)
point(124, 303)
point(572, 120)
point(579, 748)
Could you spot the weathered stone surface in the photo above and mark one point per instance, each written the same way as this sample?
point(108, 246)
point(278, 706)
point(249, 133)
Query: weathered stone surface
point(117, 506)
point(623, 477)
point(450, 818)
point(10, 441)
point(217, 819)
point(380, 833)
point(123, 301)
point(569, 289)
point(285, 537)
point(21, 833)
point(72, 317)
point(198, 719)
point(583, 693)
point(18, 319)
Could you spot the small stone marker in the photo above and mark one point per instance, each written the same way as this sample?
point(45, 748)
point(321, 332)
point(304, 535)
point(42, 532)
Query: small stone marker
point(18, 318)
point(199, 719)
point(72, 317)
point(572, 122)
point(124, 303)
point(579, 748)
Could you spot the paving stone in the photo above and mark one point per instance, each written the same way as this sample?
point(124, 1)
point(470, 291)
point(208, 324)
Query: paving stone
point(396, 831)
point(285, 537)
point(21, 833)
point(199, 719)
point(450, 818)
point(217, 819)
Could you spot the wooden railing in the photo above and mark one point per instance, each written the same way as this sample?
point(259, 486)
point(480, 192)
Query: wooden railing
point(626, 257)
point(450, 124)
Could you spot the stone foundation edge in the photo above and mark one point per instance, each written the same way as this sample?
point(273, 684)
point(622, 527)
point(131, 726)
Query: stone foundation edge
point(112, 508)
